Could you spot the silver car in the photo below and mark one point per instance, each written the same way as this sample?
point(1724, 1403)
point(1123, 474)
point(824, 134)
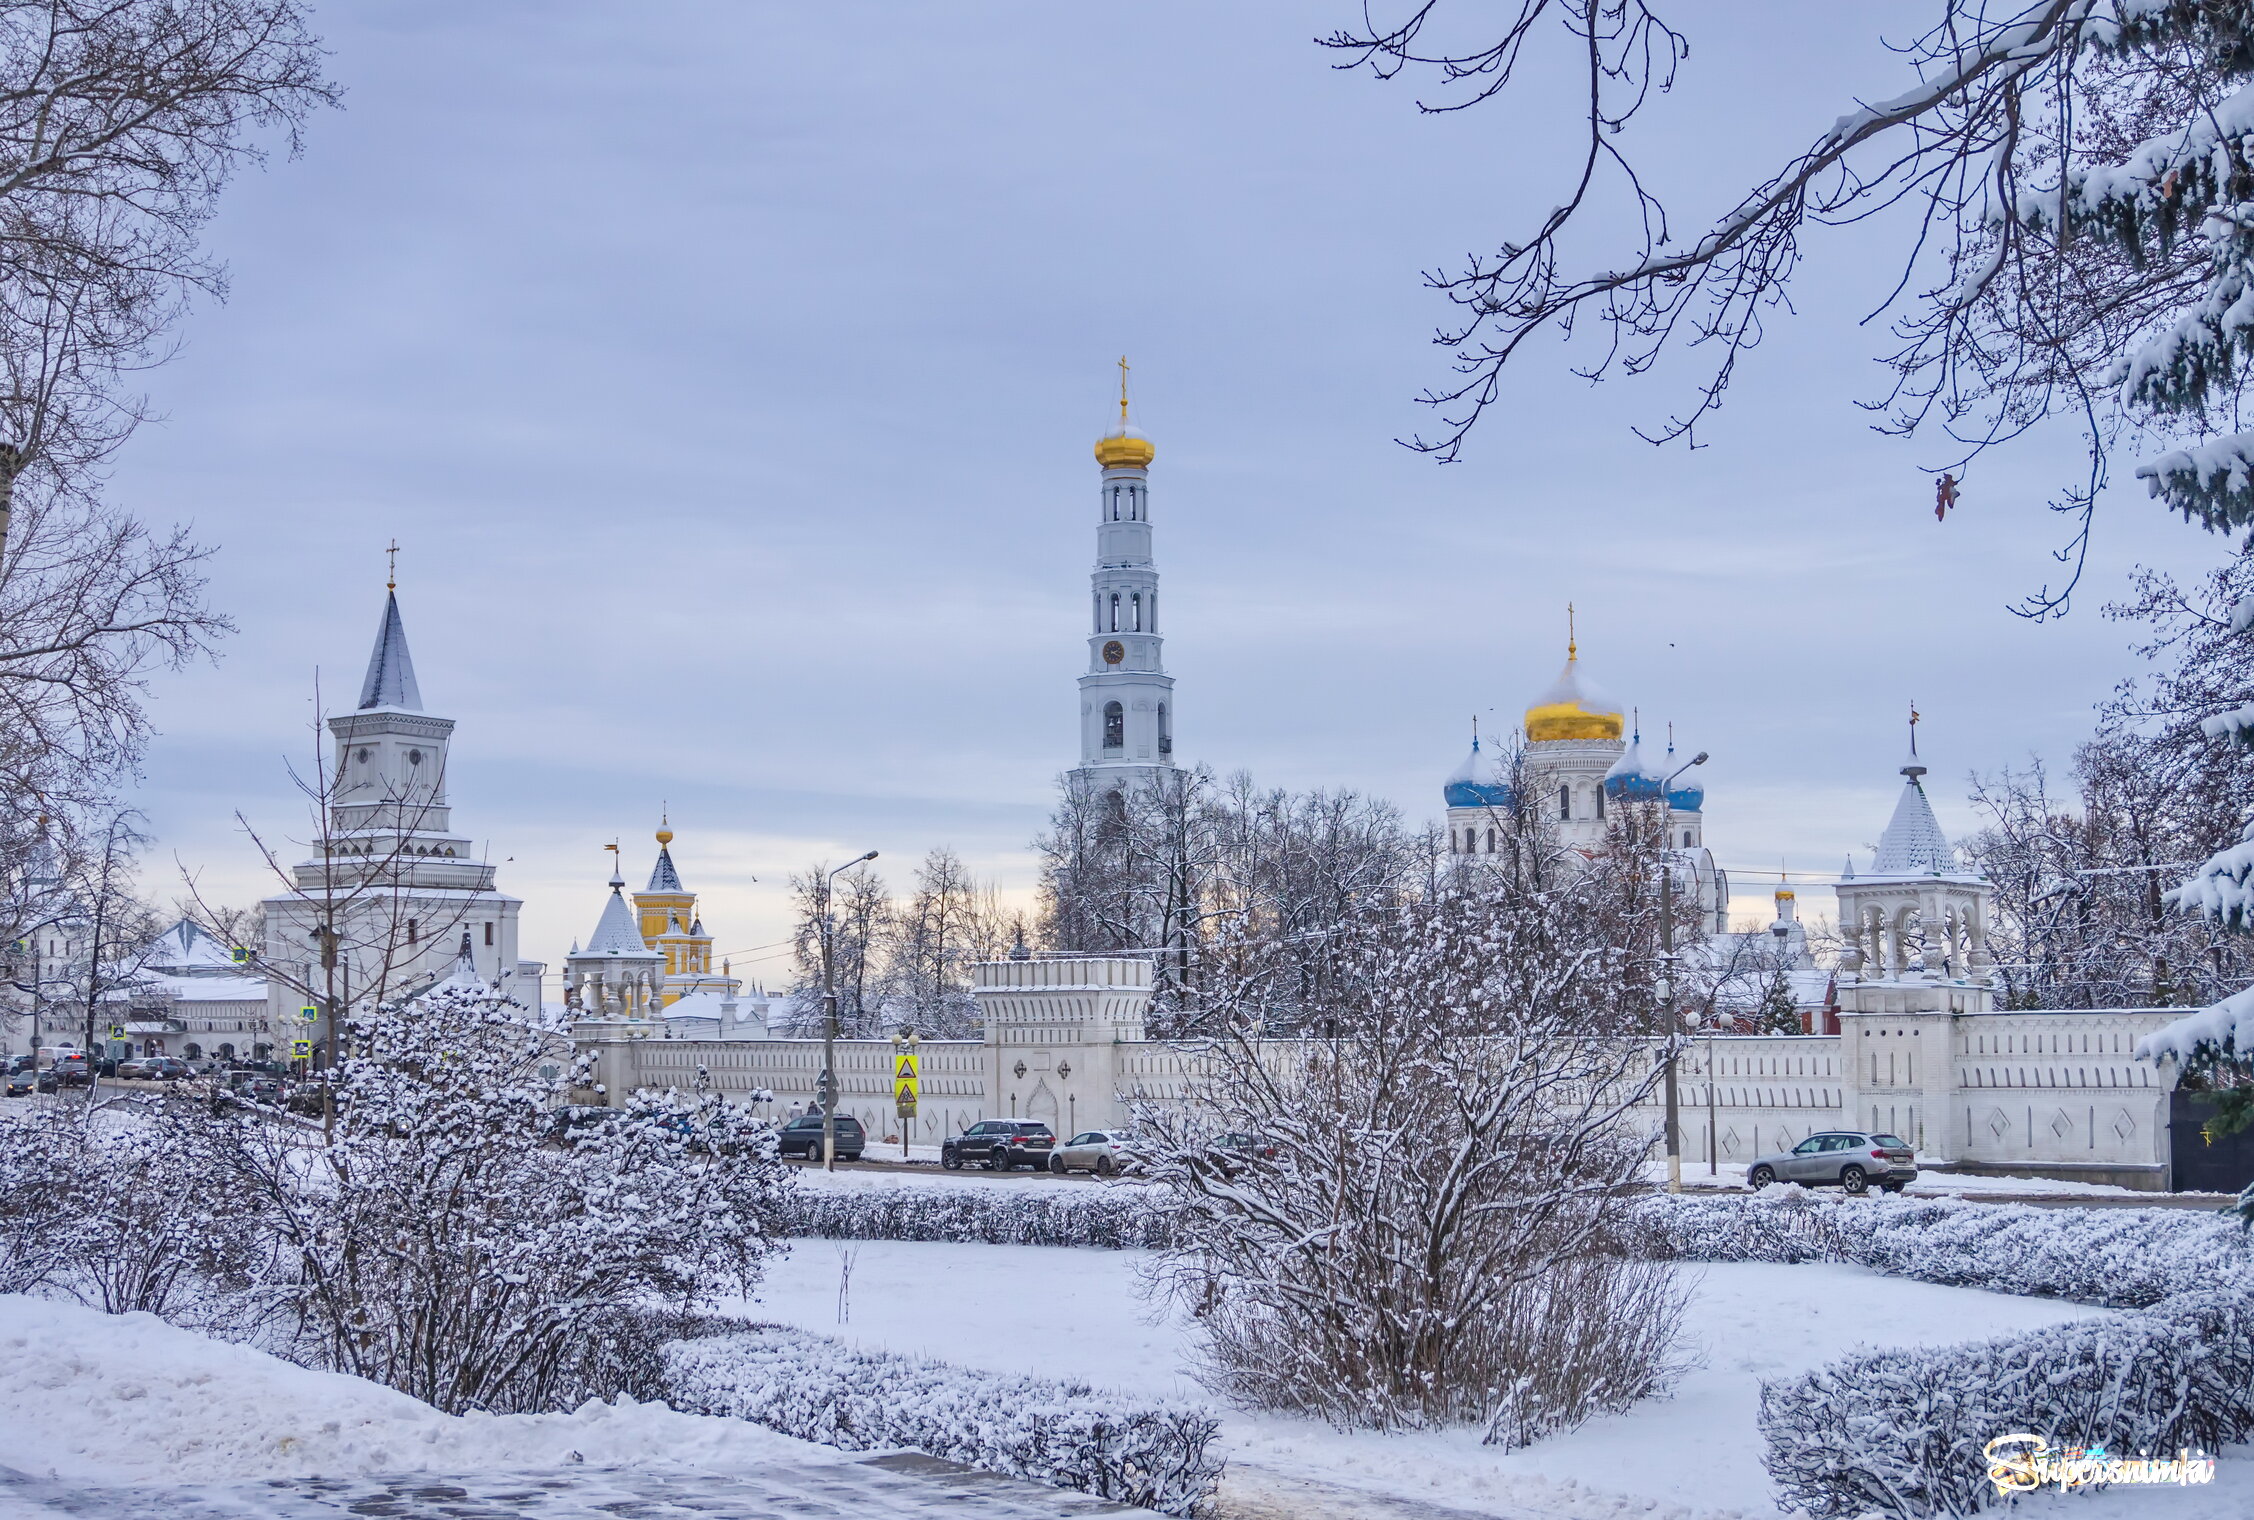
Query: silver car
point(1853, 1159)
point(1105, 1152)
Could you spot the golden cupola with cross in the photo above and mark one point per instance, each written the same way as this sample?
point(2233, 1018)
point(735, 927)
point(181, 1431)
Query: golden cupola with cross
point(666, 915)
point(1572, 707)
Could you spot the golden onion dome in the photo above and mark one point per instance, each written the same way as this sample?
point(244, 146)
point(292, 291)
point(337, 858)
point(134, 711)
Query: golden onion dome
point(1573, 708)
point(1125, 448)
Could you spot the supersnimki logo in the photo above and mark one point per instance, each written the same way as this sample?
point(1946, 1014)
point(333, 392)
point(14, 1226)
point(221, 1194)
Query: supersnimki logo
point(2022, 1461)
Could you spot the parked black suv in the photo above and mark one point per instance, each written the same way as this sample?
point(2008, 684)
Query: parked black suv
point(1000, 1144)
point(803, 1137)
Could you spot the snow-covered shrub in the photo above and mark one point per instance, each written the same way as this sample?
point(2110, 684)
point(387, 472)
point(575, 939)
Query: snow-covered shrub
point(1399, 1241)
point(1156, 1455)
point(1116, 1218)
point(2125, 1258)
point(1902, 1431)
point(116, 1209)
point(442, 1241)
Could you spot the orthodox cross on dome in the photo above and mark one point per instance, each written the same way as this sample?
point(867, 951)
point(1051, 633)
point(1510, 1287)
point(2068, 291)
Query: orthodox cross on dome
point(391, 568)
point(1122, 390)
point(1572, 641)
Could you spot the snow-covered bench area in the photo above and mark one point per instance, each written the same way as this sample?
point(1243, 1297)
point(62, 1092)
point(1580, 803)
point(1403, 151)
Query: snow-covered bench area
point(1077, 1314)
point(127, 1398)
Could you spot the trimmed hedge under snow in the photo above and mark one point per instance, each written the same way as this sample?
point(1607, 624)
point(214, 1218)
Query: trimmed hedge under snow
point(1109, 1217)
point(1159, 1456)
point(1902, 1431)
point(2122, 1258)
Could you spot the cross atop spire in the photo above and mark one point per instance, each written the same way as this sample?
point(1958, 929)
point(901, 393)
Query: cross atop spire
point(1572, 640)
point(391, 566)
point(1122, 390)
point(390, 681)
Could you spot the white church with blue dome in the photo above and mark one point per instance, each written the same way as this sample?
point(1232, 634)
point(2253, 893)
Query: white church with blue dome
point(1581, 758)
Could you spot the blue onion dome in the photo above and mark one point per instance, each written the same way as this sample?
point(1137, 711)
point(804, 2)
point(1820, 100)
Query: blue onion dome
point(1631, 779)
point(1476, 783)
point(1686, 795)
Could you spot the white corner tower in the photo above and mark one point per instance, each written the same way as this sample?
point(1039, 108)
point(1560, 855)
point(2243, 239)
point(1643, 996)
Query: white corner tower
point(1126, 698)
point(1917, 922)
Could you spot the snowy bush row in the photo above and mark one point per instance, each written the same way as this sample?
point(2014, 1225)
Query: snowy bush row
point(1112, 1218)
point(2122, 1258)
point(1156, 1455)
point(1904, 1431)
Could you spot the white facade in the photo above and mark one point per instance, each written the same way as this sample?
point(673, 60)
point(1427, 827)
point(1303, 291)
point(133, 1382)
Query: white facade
point(401, 888)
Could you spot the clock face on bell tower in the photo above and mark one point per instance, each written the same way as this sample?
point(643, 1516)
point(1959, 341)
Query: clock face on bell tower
point(1114, 652)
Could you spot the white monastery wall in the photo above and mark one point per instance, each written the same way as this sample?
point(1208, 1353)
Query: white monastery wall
point(2038, 1093)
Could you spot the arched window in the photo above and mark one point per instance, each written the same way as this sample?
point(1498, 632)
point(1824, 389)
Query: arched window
point(1165, 731)
point(411, 931)
point(1115, 612)
point(1098, 624)
point(1154, 612)
point(1490, 841)
point(1115, 503)
point(1115, 726)
point(1136, 606)
point(1564, 802)
point(1600, 801)
point(1686, 839)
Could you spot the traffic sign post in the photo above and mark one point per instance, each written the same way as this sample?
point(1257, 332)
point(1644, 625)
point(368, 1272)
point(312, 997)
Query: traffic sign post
point(308, 1014)
point(906, 1083)
point(301, 1050)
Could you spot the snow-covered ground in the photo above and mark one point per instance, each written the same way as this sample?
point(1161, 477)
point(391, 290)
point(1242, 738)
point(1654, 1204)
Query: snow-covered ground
point(1076, 1313)
point(116, 1399)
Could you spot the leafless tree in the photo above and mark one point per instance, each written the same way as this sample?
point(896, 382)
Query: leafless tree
point(856, 916)
point(2073, 186)
point(949, 921)
point(373, 937)
point(120, 123)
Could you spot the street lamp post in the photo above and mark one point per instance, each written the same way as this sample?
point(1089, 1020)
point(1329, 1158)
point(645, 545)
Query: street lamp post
point(1667, 990)
point(829, 1015)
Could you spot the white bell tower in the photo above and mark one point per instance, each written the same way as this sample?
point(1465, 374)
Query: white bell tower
point(1126, 698)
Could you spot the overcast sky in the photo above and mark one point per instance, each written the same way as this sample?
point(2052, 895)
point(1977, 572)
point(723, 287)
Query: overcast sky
point(728, 372)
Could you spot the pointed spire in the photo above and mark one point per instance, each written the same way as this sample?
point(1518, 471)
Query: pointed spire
point(464, 973)
point(391, 672)
point(1913, 844)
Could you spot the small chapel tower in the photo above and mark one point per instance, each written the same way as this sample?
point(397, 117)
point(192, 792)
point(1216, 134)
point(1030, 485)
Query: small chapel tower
point(1126, 698)
point(1915, 926)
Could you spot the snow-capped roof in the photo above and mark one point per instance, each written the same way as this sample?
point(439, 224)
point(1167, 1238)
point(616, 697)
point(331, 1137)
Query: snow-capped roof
point(663, 877)
point(616, 932)
point(186, 946)
point(1476, 782)
point(1686, 795)
point(391, 672)
point(704, 1003)
point(209, 989)
point(464, 975)
point(1631, 777)
point(1913, 844)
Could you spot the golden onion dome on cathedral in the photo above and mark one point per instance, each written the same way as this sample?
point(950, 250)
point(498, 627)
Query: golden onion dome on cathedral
point(1573, 708)
point(1125, 448)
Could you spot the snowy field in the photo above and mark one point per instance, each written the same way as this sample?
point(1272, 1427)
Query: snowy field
point(1076, 1313)
point(117, 1399)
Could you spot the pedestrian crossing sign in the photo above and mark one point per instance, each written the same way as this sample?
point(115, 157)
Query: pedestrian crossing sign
point(301, 1049)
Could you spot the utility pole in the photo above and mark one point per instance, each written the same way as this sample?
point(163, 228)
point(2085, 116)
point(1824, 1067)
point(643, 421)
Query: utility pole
point(829, 1015)
point(1667, 1020)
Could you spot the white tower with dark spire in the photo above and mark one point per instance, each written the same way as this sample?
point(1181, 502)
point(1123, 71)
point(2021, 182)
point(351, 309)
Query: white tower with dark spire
point(1126, 698)
point(1917, 918)
point(400, 887)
